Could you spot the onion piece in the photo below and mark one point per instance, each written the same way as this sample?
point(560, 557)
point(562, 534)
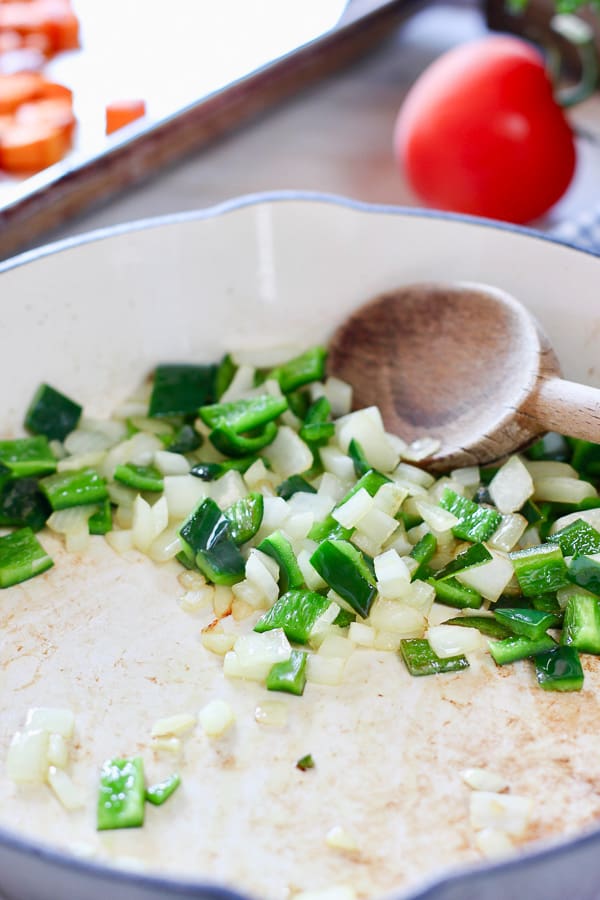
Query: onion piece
point(172, 726)
point(27, 758)
point(288, 454)
point(505, 812)
point(272, 713)
point(216, 718)
point(511, 486)
point(66, 792)
point(453, 640)
point(52, 719)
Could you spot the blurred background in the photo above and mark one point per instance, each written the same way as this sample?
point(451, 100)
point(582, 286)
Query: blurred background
point(241, 97)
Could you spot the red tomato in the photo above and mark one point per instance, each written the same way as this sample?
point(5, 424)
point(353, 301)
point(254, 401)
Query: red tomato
point(480, 132)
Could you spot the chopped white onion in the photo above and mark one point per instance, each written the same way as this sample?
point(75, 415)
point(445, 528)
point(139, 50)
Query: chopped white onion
point(194, 601)
point(352, 510)
point(452, 640)
point(421, 449)
point(389, 498)
point(337, 462)
point(397, 618)
point(393, 577)
point(505, 812)
point(183, 494)
point(288, 454)
point(339, 394)
point(509, 532)
point(563, 490)
point(489, 579)
point(511, 486)
point(216, 718)
point(257, 653)
point(272, 713)
point(325, 669)
point(362, 635)
point(67, 793)
point(217, 642)
point(337, 646)
point(366, 427)
point(52, 719)
point(434, 516)
point(341, 839)
point(228, 489)
point(58, 751)
point(27, 759)
point(259, 571)
point(172, 726)
point(484, 780)
point(493, 843)
point(171, 463)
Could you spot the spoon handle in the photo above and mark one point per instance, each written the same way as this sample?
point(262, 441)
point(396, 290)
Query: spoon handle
point(566, 407)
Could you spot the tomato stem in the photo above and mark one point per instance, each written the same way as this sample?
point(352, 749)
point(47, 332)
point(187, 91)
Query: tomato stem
point(581, 36)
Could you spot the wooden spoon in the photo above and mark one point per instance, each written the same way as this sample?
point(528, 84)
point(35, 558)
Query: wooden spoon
point(464, 363)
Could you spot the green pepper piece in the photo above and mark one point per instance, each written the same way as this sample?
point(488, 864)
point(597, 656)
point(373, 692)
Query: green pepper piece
point(585, 458)
point(140, 478)
point(211, 471)
point(23, 505)
point(559, 669)
point(27, 456)
point(531, 623)
point(540, 569)
point(581, 625)
point(346, 571)
point(484, 624)
point(296, 613)
point(305, 762)
point(245, 517)
point(52, 414)
point(303, 369)
point(159, 793)
point(121, 795)
point(100, 522)
point(278, 547)
point(452, 593)
point(185, 440)
point(230, 443)
point(371, 481)
point(577, 538)
point(21, 557)
point(551, 446)
point(511, 649)
point(178, 390)
point(289, 676)
point(295, 484)
point(476, 523)
point(585, 573)
point(317, 429)
point(475, 555)
point(423, 551)
point(224, 375)
point(77, 488)
point(344, 618)
point(547, 603)
point(243, 415)
point(207, 541)
point(359, 460)
point(420, 658)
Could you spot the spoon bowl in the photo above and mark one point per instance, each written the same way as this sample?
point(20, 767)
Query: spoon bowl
point(464, 363)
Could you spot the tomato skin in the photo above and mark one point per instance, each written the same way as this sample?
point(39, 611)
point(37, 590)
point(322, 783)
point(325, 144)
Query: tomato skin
point(481, 133)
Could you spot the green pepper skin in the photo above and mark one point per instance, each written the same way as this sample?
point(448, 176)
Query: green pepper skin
point(531, 623)
point(420, 658)
point(52, 414)
point(540, 569)
point(344, 568)
point(21, 557)
point(158, 794)
point(122, 794)
point(559, 669)
point(296, 613)
point(178, 390)
point(581, 624)
point(289, 676)
point(476, 523)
